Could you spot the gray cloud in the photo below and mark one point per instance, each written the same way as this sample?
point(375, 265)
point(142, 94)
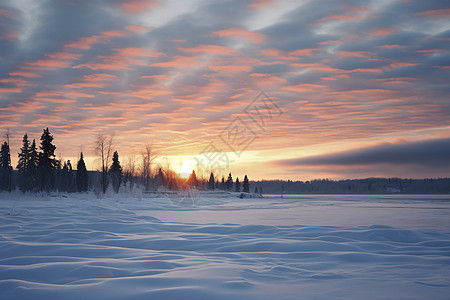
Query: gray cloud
point(430, 153)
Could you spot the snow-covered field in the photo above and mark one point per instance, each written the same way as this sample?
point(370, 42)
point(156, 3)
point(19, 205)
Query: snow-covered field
point(223, 247)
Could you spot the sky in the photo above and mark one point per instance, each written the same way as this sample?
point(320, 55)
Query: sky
point(276, 89)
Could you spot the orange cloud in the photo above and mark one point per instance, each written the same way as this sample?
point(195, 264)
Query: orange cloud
point(254, 37)
point(436, 13)
point(215, 49)
point(138, 29)
point(64, 55)
point(304, 52)
point(384, 31)
point(135, 7)
point(24, 74)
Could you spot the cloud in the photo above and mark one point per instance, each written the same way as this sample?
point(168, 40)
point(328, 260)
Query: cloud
point(431, 153)
point(254, 37)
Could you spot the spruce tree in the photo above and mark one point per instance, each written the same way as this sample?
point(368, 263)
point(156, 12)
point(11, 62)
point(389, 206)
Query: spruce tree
point(211, 182)
point(81, 175)
point(222, 184)
point(192, 180)
point(229, 183)
point(47, 162)
point(246, 186)
point(5, 168)
point(237, 185)
point(115, 172)
point(32, 172)
point(22, 165)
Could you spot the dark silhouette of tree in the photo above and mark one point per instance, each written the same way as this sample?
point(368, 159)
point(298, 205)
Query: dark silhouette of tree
point(237, 185)
point(32, 168)
point(229, 183)
point(148, 156)
point(256, 190)
point(245, 185)
point(69, 186)
point(115, 172)
point(22, 164)
point(211, 182)
point(47, 162)
point(160, 179)
point(81, 175)
point(62, 177)
point(192, 180)
point(5, 168)
point(222, 184)
point(103, 144)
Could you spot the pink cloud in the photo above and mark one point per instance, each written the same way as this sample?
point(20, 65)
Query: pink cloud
point(361, 54)
point(384, 31)
point(100, 77)
point(231, 68)
point(46, 64)
point(335, 17)
point(135, 7)
point(254, 37)
point(84, 42)
point(436, 13)
point(259, 4)
point(24, 74)
point(10, 90)
point(278, 54)
point(16, 81)
point(305, 88)
point(403, 64)
point(215, 49)
point(138, 29)
point(86, 84)
point(179, 62)
point(116, 33)
point(392, 46)
point(139, 52)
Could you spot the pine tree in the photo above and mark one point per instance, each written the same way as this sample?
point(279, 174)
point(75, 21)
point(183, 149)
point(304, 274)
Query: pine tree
point(246, 186)
point(192, 180)
point(160, 179)
point(116, 172)
point(22, 165)
point(237, 185)
point(211, 182)
point(229, 183)
point(5, 168)
point(81, 175)
point(47, 162)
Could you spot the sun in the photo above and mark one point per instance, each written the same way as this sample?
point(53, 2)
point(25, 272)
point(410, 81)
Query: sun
point(186, 167)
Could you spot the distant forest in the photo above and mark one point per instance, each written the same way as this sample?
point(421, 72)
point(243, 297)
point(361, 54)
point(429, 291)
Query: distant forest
point(358, 186)
point(40, 171)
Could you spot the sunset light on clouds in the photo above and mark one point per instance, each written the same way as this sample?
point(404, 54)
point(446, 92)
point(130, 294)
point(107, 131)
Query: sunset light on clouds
point(362, 87)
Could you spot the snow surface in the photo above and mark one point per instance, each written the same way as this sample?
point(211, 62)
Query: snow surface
point(222, 247)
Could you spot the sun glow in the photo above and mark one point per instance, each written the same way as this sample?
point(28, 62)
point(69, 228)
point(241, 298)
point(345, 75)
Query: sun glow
point(186, 167)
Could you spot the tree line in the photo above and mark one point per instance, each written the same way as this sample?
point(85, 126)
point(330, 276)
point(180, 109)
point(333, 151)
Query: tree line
point(38, 170)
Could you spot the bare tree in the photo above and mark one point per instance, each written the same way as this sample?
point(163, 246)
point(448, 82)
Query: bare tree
point(148, 156)
point(130, 169)
point(103, 148)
